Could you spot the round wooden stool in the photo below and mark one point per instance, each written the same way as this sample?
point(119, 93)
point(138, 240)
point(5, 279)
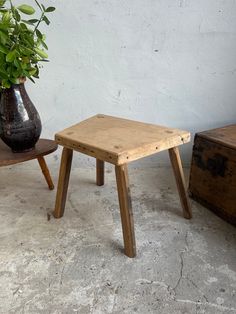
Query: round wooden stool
point(43, 147)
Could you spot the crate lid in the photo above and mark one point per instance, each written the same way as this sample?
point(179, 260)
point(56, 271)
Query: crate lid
point(225, 136)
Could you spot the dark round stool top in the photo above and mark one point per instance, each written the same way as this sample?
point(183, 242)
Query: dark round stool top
point(43, 147)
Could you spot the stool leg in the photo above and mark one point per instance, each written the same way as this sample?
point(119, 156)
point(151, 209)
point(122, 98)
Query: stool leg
point(126, 210)
point(100, 172)
point(180, 181)
point(45, 172)
point(63, 182)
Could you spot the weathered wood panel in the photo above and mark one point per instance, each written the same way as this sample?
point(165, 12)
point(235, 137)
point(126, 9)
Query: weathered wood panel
point(213, 176)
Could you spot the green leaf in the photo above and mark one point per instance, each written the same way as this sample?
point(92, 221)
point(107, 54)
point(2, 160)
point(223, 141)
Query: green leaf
point(6, 83)
point(3, 49)
point(4, 27)
point(26, 60)
point(14, 80)
point(17, 15)
point(44, 44)
point(24, 66)
point(32, 71)
point(10, 57)
point(27, 40)
point(33, 21)
point(22, 46)
point(44, 9)
point(36, 74)
point(3, 75)
point(2, 2)
point(41, 53)
point(26, 51)
point(6, 17)
point(46, 20)
point(26, 9)
point(3, 37)
point(27, 22)
point(39, 34)
point(23, 27)
point(50, 9)
point(44, 60)
point(16, 73)
point(17, 63)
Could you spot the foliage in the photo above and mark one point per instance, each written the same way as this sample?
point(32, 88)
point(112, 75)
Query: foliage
point(22, 45)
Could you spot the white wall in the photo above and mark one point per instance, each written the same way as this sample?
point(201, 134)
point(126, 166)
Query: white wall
point(170, 62)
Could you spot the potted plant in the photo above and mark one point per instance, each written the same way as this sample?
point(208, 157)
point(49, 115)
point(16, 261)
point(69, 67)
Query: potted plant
point(22, 49)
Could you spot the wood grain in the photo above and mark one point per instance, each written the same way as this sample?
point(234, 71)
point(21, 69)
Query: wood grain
point(225, 136)
point(100, 172)
point(119, 141)
point(45, 172)
point(63, 182)
point(43, 147)
point(180, 181)
point(126, 210)
point(213, 176)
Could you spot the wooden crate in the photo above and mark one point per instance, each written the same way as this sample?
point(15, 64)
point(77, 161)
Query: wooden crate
point(213, 171)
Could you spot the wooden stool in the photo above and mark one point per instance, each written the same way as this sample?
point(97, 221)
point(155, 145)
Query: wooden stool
point(42, 148)
point(119, 141)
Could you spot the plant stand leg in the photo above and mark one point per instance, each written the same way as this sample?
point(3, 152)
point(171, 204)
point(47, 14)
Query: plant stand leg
point(46, 172)
point(126, 210)
point(100, 172)
point(180, 181)
point(63, 182)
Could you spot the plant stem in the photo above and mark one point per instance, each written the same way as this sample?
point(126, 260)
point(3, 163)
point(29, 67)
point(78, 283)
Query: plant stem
point(38, 5)
point(15, 40)
point(40, 20)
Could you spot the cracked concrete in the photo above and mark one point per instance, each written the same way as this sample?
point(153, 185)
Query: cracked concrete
point(76, 264)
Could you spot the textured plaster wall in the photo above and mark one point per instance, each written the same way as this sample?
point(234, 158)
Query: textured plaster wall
point(170, 62)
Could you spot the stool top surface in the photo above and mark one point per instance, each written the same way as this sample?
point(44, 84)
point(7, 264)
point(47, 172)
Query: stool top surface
point(225, 136)
point(43, 147)
point(118, 140)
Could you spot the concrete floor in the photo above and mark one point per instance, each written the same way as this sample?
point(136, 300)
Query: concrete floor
point(76, 265)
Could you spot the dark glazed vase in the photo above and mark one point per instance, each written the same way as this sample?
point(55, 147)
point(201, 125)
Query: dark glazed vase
point(20, 124)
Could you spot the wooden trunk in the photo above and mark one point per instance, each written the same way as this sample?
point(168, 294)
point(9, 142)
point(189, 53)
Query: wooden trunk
point(213, 171)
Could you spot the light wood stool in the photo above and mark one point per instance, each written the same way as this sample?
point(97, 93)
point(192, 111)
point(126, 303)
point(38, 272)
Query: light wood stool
point(119, 141)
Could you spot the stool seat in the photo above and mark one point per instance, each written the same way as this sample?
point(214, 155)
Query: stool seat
point(119, 141)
